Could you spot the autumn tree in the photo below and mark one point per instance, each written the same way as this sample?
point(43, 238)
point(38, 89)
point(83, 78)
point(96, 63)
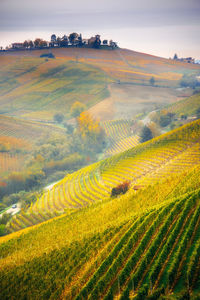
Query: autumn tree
point(25, 44)
point(90, 133)
point(155, 129)
point(43, 43)
point(77, 108)
point(37, 42)
point(30, 43)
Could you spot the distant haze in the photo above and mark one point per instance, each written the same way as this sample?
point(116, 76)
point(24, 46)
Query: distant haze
point(157, 27)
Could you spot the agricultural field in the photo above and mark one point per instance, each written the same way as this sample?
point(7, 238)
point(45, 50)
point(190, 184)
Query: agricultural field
point(187, 106)
point(151, 162)
point(17, 139)
point(141, 245)
point(36, 88)
point(75, 238)
point(121, 135)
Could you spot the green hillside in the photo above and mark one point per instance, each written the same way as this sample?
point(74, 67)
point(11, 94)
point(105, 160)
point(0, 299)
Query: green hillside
point(138, 246)
point(153, 161)
point(75, 238)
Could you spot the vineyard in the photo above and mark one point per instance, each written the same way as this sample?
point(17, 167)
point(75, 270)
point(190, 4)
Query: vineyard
point(120, 136)
point(36, 88)
point(186, 106)
point(144, 252)
point(154, 161)
point(17, 139)
point(83, 237)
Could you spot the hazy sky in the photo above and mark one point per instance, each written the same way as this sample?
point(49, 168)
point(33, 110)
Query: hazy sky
point(160, 27)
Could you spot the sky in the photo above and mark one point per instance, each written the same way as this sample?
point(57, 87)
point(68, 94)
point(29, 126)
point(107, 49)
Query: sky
point(157, 27)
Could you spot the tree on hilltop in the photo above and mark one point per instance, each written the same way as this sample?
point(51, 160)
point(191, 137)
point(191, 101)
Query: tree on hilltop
point(37, 42)
point(72, 37)
point(175, 56)
point(25, 44)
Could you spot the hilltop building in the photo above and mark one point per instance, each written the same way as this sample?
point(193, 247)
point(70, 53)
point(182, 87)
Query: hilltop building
point(72, 40)
point(189, 60)
point(17, 45)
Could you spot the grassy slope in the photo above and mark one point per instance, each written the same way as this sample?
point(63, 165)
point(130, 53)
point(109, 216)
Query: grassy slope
point(32, 87)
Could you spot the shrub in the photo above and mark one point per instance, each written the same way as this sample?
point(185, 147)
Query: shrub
point(122, 188)
point(58, 118)
point(49, 55)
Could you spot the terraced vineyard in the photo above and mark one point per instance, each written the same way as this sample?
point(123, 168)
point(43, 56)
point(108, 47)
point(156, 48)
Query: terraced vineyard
point(148, 163)
point(142, 252)
point(26, 130)
point(120, 136)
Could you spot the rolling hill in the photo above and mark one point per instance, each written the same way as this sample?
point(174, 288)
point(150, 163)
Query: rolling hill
point(36, 88)
point(147, 163)
point(77, 241)
point(17, 139)
point(141, 245)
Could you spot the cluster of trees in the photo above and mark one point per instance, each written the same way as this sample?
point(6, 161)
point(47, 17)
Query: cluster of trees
point(36, 43)
point(163, 118)
point(73, 39)
point(190, 81)
point(121, 188)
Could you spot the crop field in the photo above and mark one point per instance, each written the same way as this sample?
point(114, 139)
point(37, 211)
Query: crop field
point(144, 251)
point(31, 85)
point(186, 106)
point(154, 161)
point(77, 240)
point(17, 139)
point(120, 135)
point(35, 88)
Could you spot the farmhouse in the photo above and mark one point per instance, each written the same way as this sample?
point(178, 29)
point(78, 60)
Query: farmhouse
point(17, 46)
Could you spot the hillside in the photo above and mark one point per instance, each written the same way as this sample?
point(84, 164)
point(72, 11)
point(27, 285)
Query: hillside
point(186, 106)
point(17, 139)
point(136, 246)
point(104, 80)
point(153, 161)
point(72, 239)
